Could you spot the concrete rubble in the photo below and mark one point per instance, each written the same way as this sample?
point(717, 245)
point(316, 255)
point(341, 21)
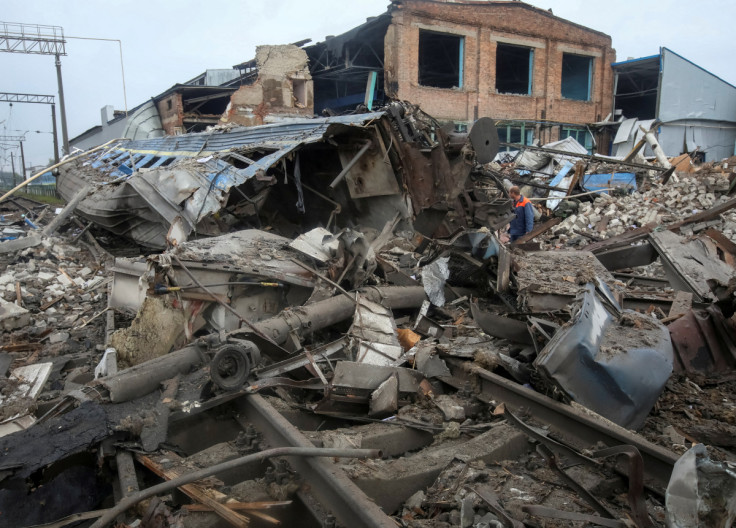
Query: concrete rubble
point(346, 283)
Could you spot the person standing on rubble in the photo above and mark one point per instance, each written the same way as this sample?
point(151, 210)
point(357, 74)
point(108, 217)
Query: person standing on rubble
point(524, 210)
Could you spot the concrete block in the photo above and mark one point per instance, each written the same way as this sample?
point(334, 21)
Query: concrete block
point(45, 276)
point(13, 316)
point(58, 337)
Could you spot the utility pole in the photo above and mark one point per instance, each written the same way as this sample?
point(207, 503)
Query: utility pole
point(12, 167)
point(22, 161)
point(56, 135)
point(64, 135)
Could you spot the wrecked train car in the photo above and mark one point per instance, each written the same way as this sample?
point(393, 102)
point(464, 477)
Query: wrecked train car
point(347, 171)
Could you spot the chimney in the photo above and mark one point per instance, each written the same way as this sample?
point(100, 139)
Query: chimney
point(107, 113)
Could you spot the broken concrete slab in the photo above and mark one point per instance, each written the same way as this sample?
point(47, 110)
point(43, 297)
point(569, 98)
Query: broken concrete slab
point(391, 482)
point(693, 265)
point(13, 316)
point(385, 399)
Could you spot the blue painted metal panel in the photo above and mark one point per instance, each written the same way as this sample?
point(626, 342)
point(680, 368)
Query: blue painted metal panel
point(160, 161)
point(142, 161)
point(531, 70)
point(462, 58)
point(561, 174)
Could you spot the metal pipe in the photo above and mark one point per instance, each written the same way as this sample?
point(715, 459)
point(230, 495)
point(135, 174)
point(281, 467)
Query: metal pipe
point(658, 152)
point(320, 315)
point(591, 157)
point(128, 502)
point(351, 164)
point(56, 133)
point(144, 378)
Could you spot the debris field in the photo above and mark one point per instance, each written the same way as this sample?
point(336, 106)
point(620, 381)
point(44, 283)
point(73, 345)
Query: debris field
point(322, 322)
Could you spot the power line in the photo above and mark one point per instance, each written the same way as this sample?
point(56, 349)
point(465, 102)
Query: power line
point(122, 67)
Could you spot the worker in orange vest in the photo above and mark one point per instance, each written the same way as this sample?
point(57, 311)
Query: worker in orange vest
point(523, 222)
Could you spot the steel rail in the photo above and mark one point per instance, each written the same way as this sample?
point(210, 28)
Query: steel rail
point(574, 426)
point(327, 483)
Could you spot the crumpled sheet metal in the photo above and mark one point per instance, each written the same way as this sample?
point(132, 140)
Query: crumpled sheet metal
point(374, 335)
point(701, 492)
point(434, 277)
point(704, 342)
point(612, 361)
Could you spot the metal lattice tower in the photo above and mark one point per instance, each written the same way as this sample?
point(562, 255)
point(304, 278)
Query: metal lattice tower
point(6, 97)
point(32, 38)
point(35, 39)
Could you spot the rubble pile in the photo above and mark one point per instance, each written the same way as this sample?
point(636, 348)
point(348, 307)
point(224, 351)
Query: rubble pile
point(320, 323)
point(661, 204)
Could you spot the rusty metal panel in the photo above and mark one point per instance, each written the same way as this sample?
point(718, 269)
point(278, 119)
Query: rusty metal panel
point(703, 342)
point(372, 175)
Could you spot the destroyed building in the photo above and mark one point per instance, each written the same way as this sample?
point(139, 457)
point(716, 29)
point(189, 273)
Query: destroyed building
point(541, 76)
point(693, 109)
point(219, 313)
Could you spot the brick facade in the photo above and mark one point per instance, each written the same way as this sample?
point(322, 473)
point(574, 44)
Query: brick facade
point(171, 110)
point(484, 25)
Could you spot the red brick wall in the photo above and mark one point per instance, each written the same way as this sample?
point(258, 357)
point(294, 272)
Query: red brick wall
point(481, 24)
point(173, 117)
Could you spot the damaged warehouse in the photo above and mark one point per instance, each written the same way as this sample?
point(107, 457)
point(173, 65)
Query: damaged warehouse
point(248, 315)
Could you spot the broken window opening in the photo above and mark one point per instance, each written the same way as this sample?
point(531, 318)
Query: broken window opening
point(514, 69)
point(347, 91)
point(522, 133)
point(581, 135)
point(300, 92)
point(637, 87)
point(440, 59)
point(577, 77)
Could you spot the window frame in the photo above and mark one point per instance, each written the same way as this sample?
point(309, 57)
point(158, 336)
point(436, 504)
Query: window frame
point(461, 59)
point(530, 81)
point(591, 62)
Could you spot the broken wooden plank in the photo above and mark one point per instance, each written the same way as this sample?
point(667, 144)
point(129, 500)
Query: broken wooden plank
point(47, 305)
point(239, 506)
point(543, 228)
point(260, 505)
point(193, 491)
point(623, 239)
point(724, 244)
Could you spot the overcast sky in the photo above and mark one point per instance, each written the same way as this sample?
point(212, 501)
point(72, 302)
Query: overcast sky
point(171, 41)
